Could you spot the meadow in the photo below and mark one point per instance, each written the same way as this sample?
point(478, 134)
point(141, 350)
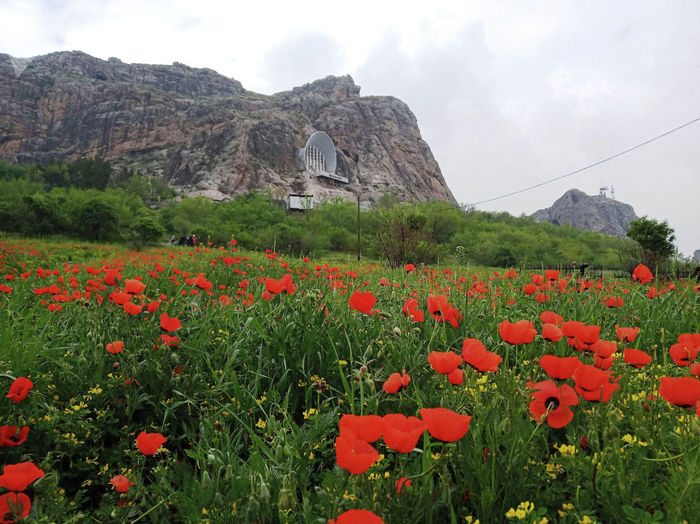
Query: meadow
point(213, 384)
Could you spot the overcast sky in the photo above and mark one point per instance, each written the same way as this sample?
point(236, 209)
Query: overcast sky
point(507, 94)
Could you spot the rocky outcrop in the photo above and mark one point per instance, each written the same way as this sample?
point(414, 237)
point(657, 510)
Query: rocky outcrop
point(205, 134)
point(696, 256)
point(593, 213)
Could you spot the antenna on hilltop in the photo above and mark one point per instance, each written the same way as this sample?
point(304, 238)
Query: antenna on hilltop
point(603, 190)
point(612, 192)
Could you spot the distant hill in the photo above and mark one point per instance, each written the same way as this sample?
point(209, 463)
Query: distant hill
point(592, 213)
point(204, 134)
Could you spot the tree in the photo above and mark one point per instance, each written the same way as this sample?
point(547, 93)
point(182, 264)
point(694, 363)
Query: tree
point(400, 235)
point(655, 238)
point(145, 228)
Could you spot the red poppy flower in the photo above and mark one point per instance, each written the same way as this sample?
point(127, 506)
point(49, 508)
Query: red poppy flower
point(522, 332)
point(456, 378)
point(362, 302)
point(594, 384)
point(444, 424)
point(409, 267)
point(13, 505)
point(560, 368)
point(690, 340)
point(168, 340)
point(132, 309)
point(353, 454)
point(553, 401)
point(637, 357)
point(681, 391)
point(475, 354)
point(133, 286)
point(368, 427)
point(121, 483)
point(551, 274)
point(203, 283)
point(604, 348)
point(603, 363)
point(115, 347)
point(396, 382)
point(169, 324)
point(551, 332)
point(401, 484)
point(653, 292)
point(588, 335)
point(111, 277)
point(11, 436)
point(626, 334)
point(642, 274)
point(443, 311)
point(588, 378)
point(356, 516)
point(150, 443)
point(120, 298)
point(683, 355)
point(19, 390)
point(571, 328)
point(613, 302)
point(410, 309)
point(16, 477)
point(401, 433)
point(530, 289)
point(273, 287)
point(444, 362)
point(153, 306)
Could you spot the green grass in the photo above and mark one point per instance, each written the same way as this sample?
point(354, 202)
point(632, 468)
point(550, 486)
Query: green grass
point(252, 414)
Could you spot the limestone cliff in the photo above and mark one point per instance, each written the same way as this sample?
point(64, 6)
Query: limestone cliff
point(594, 213)
point(205, 134)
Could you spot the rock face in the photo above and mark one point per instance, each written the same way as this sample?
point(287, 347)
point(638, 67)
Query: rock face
point(594, 213)
point(205, 134)
point(696, 256)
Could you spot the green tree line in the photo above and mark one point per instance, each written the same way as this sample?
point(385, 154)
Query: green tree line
point(87, 199)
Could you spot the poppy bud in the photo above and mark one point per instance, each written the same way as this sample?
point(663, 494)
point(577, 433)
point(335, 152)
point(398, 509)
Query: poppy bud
point(695, 426)
point(211, 458)
point(218, 500)
point(504, 426)
point(264, 492)
point(206, 479)
point(174, 357)
point(279, 453)
point(229, 472)
point(285, 501)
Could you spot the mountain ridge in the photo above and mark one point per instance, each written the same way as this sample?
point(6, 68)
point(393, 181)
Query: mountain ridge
point(593, 213)
point(205, 134)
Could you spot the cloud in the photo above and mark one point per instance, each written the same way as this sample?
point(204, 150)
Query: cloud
point(299, 59)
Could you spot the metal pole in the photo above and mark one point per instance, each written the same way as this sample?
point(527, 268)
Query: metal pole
point(358, 226)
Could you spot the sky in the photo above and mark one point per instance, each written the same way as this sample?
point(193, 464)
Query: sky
point(507, 94)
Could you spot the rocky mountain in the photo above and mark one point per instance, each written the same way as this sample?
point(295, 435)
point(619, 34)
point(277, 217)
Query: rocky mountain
point(205, 134)
point(696, 256)
point(594, 213)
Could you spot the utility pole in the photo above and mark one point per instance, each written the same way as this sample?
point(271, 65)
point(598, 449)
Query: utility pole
point(358, 226)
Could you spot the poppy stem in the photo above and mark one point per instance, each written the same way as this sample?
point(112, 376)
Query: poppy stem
point(144, 514)
point(424, 473)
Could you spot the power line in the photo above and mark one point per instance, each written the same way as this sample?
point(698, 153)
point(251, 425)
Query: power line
point(589, 165)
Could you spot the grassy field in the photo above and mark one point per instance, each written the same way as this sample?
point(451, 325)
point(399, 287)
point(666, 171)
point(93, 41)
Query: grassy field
point(247, 364)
